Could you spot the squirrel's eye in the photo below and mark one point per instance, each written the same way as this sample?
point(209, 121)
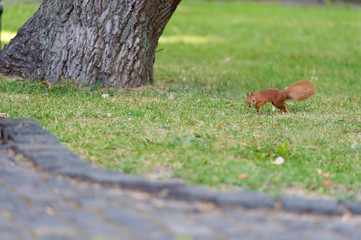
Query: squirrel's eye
point(253, 101)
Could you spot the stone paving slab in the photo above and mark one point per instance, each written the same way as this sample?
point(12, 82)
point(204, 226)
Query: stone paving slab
point(44, 202)
point(302, 205)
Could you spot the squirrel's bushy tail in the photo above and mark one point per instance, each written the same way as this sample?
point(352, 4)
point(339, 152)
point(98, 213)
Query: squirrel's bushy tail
point(300, 90)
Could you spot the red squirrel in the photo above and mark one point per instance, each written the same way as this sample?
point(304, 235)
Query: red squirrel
point(298, 91)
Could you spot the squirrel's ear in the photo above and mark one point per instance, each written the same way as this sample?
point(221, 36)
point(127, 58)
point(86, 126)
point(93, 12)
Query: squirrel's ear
point(252, 93)
point(247, 93)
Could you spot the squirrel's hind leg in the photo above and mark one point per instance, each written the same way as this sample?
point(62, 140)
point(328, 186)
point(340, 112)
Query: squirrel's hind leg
point(282, 107)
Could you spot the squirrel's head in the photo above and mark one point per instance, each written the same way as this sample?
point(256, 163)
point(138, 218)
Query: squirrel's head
point(251, 99)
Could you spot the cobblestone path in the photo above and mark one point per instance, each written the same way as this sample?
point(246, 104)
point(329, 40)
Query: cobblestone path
point(39, 205)
point(45, 205)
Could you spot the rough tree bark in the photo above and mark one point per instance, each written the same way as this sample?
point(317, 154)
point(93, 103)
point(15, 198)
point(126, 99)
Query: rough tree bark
point(113, 41)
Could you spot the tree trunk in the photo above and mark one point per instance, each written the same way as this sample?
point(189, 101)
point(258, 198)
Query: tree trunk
point(112, 41)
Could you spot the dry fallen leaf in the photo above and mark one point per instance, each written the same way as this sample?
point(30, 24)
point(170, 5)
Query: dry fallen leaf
point(4, 115)
point(222, 126)
point(44, 84)
point(278, 161)
point(319, 171)
point(148, 139)
point(326, 182)
point(327, 175)
point(242, 176)
point(50, 211)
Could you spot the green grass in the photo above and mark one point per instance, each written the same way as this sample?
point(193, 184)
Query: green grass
point(14, 16)
point(194, 124)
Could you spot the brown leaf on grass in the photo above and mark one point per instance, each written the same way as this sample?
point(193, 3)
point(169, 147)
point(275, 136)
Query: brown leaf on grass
point(148, 139)
point(44, 84)
point(326, 182)
point(4, 115)
point(327, 175)
point(222, 126)
point(319, 171)
point(242, 176)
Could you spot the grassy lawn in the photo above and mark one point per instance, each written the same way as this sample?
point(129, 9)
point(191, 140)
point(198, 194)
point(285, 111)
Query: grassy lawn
point(13, 17)
point(194, 123)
